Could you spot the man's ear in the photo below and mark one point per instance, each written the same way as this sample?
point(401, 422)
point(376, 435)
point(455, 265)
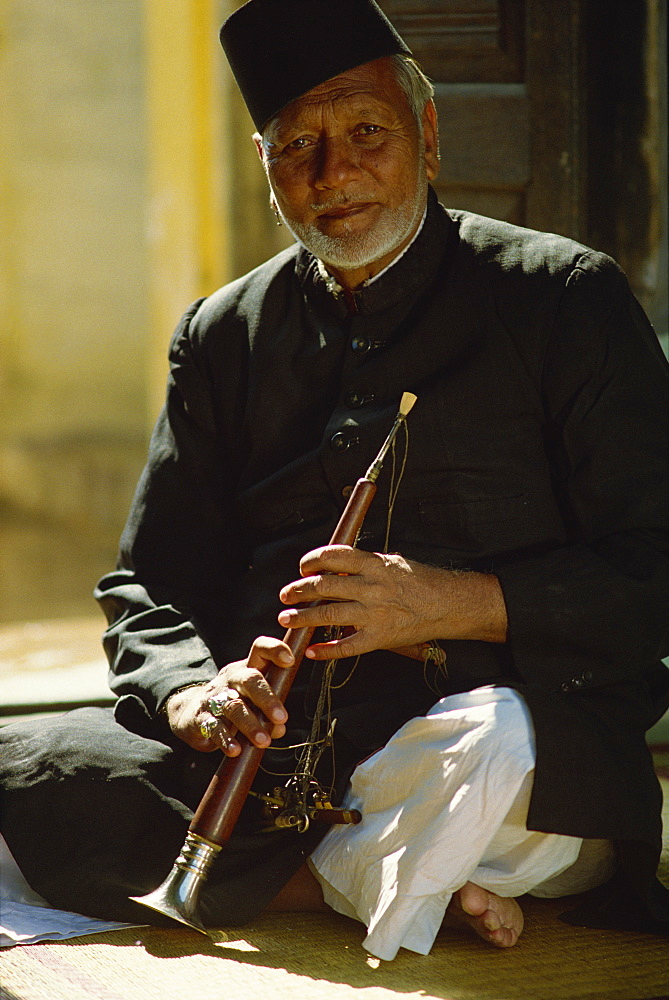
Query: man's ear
point(430, 126)
point(257, 138)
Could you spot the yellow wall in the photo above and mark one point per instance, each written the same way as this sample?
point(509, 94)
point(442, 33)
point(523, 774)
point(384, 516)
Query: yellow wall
point(208, 204)
point(73, 255)
point(187, 232)
point(125, 162)
point(111, 222)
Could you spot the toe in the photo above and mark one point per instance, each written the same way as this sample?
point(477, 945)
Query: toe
point(491, 921)
point(503, 937)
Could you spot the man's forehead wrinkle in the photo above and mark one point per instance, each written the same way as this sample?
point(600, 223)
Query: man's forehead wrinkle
point(340, 104)
point(331, 93)
point(368, 90)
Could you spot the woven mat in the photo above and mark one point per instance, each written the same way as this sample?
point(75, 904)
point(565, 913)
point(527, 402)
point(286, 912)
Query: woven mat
point(318, 957)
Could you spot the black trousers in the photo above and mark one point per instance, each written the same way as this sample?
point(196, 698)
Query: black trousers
point(94, 813)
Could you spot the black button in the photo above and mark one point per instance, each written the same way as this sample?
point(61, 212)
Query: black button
point(356, 399)
point(566, 687)
point(576, 683)
point(361, 344)
point(340, 441)
point(587, 676)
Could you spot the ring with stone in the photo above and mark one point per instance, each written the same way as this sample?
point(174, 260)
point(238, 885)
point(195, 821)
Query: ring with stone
point(218, 704)
point(208, 728)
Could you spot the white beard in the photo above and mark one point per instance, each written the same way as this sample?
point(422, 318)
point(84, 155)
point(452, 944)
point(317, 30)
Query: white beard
point(352, 250)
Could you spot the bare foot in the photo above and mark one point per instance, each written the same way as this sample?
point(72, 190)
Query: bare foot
point(496, 919)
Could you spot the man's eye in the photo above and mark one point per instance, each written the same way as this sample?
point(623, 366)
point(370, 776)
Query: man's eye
point(368, 129)
point(299, 143)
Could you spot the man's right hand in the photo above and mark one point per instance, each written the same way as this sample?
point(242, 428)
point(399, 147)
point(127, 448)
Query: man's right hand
point(250, 705)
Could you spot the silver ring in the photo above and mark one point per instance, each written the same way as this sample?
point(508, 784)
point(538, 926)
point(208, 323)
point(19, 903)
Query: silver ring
point(208, 728)
point(219, 703)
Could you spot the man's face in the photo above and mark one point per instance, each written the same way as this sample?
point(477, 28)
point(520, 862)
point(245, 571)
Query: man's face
point(349, 165)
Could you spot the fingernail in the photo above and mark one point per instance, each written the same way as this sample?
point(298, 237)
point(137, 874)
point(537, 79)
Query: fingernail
point(279, 715)
point(286, 657)
point(262, 738)
point(284, 618)
point(310, 653)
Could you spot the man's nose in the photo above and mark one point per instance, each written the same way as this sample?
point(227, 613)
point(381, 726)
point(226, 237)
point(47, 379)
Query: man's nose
point(337, 163)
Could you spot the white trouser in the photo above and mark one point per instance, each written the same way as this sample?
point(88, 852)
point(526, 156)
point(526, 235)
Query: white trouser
point(443, 803)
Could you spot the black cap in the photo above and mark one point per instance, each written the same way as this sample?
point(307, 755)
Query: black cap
point(280, 49)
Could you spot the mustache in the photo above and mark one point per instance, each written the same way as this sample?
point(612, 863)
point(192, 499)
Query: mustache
point(341, 201)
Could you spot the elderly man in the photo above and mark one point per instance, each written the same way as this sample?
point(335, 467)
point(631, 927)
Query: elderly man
point(520, 536)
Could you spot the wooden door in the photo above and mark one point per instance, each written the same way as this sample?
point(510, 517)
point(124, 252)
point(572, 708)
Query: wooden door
point(506, 75)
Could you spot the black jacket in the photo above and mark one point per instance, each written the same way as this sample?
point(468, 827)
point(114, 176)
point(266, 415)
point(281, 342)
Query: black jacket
point(537, 451)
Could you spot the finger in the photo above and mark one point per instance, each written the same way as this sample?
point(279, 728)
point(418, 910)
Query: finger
point(335, 559)
point(216, 734)
point(255, 689)
point(351, 645)
point(246, 722)
point(338, 613)
point(221, 738)
point(267, 649)
point(322, 587)
point(237, 681)
point(239, 718)
point(238, 708)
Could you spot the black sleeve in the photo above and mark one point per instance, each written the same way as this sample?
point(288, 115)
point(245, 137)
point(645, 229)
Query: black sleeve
point(179, 549)
point(602, 599)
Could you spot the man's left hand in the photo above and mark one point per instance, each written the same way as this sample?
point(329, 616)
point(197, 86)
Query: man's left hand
point(390, 602)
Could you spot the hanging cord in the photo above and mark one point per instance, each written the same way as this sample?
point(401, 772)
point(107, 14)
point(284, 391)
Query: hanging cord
point(304, 779)
point(395, 481)
point(433, 654)
point(436, 656)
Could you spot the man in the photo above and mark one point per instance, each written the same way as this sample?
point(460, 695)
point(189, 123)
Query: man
point(521, 537)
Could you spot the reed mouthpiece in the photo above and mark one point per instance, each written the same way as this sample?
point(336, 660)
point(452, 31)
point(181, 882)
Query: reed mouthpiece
point(406, 403)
